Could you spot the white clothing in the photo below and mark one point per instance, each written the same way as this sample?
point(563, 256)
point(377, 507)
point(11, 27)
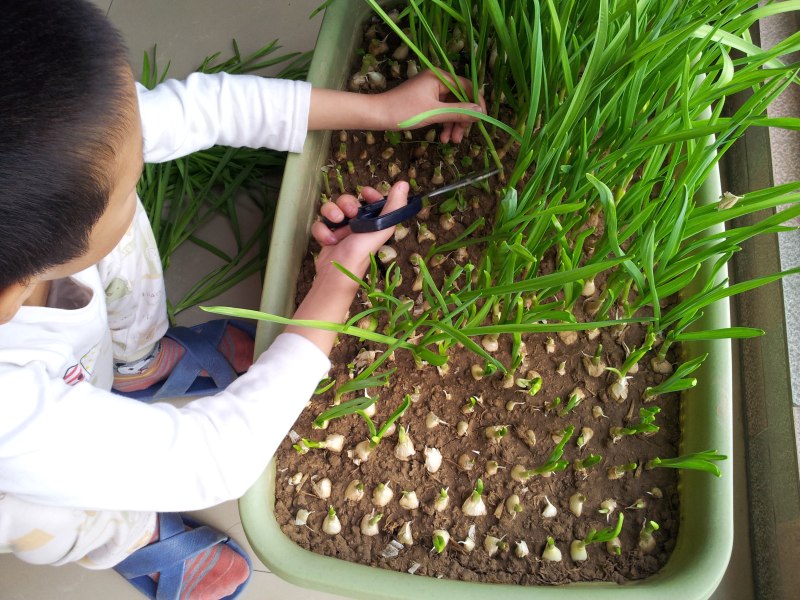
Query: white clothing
point(66, 441)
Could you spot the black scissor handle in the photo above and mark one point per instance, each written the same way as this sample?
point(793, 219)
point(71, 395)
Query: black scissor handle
point(369, 217)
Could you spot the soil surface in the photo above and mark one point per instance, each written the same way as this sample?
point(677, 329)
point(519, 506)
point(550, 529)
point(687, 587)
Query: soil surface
point(640, 494)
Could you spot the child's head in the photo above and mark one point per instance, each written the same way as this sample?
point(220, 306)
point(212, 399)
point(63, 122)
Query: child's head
point(70, 143)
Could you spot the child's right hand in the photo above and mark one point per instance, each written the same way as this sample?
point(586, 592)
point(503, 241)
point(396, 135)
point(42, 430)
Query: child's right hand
point(341, 245)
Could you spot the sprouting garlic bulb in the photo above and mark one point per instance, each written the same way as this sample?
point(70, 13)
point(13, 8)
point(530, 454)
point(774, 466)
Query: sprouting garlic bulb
point(386, 254)
point(400, 232)
point(322, 488)
point(551, 552)
point(491, 544)
point(461, 428)
point(614, 546)
point(432, 421)
point(331, 525)
point(409, 500)
point(513, 505)
point(576, 502)
point(354, 491)
point(607, 507)
point(577, 551)
point(466, 461)
point(382, 494)
point(404, 449)
point(521, 549)
point(334, 442)
point(441, 537)
point(433, 459)
point(301, 517)
point(369, 524)
point(404, 536)
point(468, 543)
point(362, 451)
point(549, 510)
point(442, 500)
point(618, 391)
point(490, 342)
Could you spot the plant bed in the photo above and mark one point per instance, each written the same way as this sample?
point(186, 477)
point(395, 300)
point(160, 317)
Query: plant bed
point(701, 542)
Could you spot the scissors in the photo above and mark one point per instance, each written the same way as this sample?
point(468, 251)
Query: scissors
point(369, 217)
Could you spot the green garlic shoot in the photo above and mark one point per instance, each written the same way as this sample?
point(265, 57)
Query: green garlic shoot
point(440, 539)
point(442, 500)
point(575, 398)
point(471, 403)
point(409, 500)
point(577, 549)
point(647, 541)
point(513, 505)
point(551, 553)
point(404, 449)
point(576, 502)
point(354, 491)
point(493, 545)
point(496, 432)
point(645, 426)
point(587, 433)
point(533, 383)
point(607, 507)
point(639, 504)
point(369, 524)
point(698, 461)
point(553, 464)
point(678, 381)
point(594, 365)
point(582, 465)
point(552, 405)
point(618, 471)
point(331, 525)
point(474, 506)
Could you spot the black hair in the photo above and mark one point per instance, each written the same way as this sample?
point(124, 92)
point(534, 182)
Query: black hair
point(66, 104)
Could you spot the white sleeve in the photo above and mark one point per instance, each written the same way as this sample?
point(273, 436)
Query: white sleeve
point(181, 117)
point(81, 446)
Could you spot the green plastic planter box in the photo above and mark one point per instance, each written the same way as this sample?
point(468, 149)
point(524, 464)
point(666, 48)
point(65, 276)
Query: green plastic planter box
point(705, 535)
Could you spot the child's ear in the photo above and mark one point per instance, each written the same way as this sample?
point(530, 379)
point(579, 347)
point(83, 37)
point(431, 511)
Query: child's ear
point(11, 298)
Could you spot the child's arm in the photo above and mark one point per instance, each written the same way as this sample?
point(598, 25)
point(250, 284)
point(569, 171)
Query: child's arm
point(82, 446)
point(332, 292)
point(332, 109)
point(181, 117)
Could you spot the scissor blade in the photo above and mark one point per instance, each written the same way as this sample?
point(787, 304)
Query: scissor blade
point(469, 180)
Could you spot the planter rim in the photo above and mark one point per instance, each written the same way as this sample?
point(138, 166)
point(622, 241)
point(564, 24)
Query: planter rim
point(705, 536)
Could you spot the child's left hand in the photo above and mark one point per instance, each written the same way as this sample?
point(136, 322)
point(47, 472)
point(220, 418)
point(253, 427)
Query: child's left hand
point(427, 92)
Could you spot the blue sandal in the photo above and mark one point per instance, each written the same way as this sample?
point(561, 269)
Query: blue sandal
point(200, 343)
point(168, 556)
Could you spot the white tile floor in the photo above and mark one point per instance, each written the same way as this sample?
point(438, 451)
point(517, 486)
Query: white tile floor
point(186, 31)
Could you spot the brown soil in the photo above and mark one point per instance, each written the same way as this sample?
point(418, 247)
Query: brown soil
point(445, 395)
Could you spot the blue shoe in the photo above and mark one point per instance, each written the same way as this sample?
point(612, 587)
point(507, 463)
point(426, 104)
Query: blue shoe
point(169, 554)
point(200, 343)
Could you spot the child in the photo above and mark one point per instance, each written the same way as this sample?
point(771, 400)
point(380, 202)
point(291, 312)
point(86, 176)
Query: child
point(86, 474)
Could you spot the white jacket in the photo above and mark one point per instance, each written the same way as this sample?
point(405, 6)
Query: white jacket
point(65, 439)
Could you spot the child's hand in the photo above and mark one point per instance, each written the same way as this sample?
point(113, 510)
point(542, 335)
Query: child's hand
point(332, 292)
point(350, 250)
point(427, 92)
